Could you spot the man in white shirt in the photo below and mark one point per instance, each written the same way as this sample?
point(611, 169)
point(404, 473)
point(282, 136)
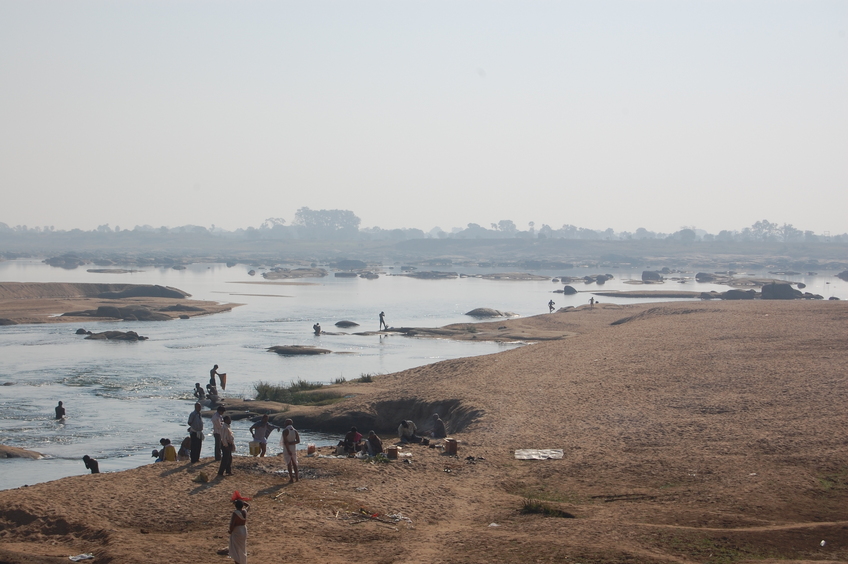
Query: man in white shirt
point(228, 443)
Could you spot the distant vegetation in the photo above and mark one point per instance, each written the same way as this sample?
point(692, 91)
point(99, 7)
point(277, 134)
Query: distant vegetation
point(337, 225)
point(335, 238)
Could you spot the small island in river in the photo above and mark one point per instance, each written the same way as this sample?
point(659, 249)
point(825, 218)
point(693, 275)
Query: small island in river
point(55, 302)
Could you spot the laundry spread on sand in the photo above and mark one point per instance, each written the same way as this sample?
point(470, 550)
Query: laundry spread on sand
point(538, 454)
point(80, 557)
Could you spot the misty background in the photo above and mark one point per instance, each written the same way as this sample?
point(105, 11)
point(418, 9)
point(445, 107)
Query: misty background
point(610, 116)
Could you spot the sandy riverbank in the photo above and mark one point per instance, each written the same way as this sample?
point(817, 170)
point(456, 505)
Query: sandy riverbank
point(692, 432)
point(32, 302)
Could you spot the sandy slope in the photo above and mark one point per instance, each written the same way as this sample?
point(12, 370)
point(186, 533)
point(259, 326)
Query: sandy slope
point(696, 432)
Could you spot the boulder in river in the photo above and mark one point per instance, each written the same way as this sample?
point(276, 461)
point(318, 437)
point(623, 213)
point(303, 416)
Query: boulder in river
point(346, 324)
point(4, 321)
point(569, 290)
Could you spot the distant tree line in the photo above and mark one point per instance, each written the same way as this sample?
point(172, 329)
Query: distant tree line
point(344, 225)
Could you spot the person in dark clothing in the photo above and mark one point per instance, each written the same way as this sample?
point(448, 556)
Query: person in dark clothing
point(195, 428)
point(60, 411)
point(91, 464)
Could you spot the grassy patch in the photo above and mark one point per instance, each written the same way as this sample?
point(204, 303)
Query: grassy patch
point(534, 506)
point(340, 380)
point(365, 378)
point(833, 481)
point(296, 393)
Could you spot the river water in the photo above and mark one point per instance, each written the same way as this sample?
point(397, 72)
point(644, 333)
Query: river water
point(121, 397)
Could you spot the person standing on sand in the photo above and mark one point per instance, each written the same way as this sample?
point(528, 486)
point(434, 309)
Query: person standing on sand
point(60, 411)
point(91, 464)
point(217, 423)
point(289, 442)
point(551, 305)
point(383, 321)
point(592, 302)
point(238, 532)
point(195, 429)
point(228, 445)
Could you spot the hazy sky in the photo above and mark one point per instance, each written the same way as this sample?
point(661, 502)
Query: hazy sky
point(622, 114)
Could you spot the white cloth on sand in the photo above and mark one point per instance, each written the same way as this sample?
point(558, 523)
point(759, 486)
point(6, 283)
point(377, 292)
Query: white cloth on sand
point(538, 454)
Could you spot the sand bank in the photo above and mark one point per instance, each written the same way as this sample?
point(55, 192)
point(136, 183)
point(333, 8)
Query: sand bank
point(25, 302)
point(692, 432)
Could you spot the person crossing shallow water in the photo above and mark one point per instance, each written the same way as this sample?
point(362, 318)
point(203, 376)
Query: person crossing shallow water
point(383, 321)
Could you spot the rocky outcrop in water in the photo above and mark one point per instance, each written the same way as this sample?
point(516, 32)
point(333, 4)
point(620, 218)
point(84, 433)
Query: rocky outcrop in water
point(346, 324)
point(780, 292)
point(125, 313)
point(843, 275)
point(569, 291)
point(284, 273)
point(68, 262)
point(15, 452)
point(651, 276)
point(297, 350)
point(4, 321)
point(432, 275)
point(116, 336)
point(488, 312)
point(153, 291)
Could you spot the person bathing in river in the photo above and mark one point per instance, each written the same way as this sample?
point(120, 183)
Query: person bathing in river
point(198, 392)
point(261, 430)
point(60, 411)
point(317, 328)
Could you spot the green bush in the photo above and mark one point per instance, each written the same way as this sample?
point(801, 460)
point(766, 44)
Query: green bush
point(540, 507)
point(296, 393)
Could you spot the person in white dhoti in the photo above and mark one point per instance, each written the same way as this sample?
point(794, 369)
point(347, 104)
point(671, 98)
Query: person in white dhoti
point(289, 442)
point(238, 532)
